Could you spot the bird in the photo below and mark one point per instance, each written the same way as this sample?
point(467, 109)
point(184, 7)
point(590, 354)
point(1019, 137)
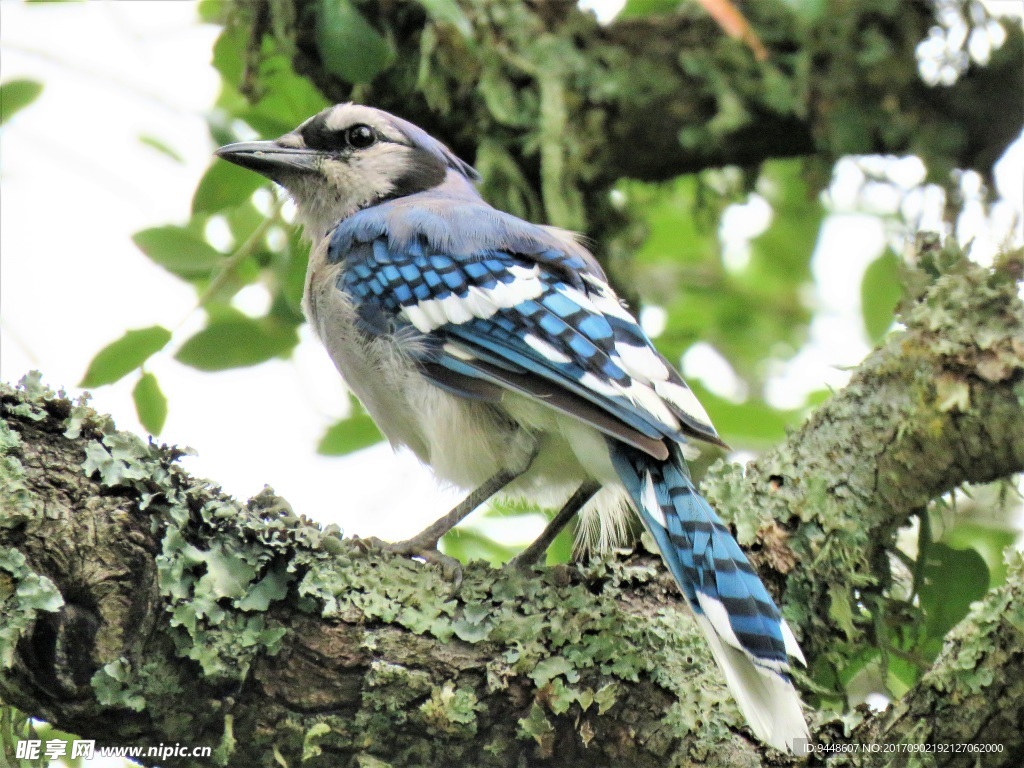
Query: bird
point(496, 350)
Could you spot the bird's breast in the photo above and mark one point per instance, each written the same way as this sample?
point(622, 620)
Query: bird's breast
point(464, 441)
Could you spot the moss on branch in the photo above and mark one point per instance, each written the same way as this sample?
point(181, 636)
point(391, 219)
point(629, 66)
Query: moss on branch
point(142, 605)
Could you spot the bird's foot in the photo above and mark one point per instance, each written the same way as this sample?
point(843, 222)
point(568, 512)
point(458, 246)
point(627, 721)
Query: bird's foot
point(531, 557)
point(424, 548)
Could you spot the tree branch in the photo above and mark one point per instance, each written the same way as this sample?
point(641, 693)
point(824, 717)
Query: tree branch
point(142, 606)
point(576, 106)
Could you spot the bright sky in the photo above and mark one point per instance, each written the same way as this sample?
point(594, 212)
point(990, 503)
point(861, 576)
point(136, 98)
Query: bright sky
point(77, 183)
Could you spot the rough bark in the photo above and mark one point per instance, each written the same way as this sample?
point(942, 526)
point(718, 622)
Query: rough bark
point(142, 606)
point(569, 107)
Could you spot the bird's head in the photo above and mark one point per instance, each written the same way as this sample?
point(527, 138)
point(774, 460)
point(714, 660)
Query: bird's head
point(349, 157)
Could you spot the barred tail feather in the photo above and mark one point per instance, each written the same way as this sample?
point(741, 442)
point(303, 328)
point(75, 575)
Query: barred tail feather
point(768, 700)
point(748, 637)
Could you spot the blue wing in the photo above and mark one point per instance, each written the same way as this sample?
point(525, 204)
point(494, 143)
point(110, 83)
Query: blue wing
point(527, 312)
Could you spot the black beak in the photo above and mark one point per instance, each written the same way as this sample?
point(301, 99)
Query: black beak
point(269, 158)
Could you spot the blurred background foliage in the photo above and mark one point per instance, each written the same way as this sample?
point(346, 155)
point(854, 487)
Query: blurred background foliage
point(724, 262)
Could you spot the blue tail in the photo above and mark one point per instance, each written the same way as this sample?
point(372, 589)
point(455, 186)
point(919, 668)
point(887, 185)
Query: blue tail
point(747, 634)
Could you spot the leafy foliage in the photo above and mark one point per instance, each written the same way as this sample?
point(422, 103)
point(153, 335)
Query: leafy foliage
point(121, 357)
point(748, 300)
point(15, 95)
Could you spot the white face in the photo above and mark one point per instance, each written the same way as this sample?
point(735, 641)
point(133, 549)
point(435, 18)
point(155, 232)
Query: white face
point(362, 157)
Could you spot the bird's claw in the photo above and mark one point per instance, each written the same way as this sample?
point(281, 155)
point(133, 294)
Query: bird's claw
point(451, 568)
point(528, 560)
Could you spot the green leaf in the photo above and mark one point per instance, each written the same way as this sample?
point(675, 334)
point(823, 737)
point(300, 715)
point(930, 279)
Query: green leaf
point(229, 52)
point(750, 423)
point(465, 545)
point(987, 541)
point(15, 95)
point(352, 434)
point(224, 186)
point(647, 7)
point(561, 548)
point(179, 251)
point(880, 290)
point(150, 403)
point(161, 147)
point(232, 340)
point(350, 47)
point(212, 11)
point(448, 12)
point(289, 98)
point(123, 356)
point(952, 580)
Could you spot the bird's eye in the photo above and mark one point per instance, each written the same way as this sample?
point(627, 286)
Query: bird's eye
point(360, 136)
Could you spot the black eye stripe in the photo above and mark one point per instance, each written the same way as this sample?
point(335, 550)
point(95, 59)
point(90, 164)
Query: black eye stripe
point(316, 135)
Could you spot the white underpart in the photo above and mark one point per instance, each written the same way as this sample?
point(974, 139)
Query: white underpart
point(478, 301)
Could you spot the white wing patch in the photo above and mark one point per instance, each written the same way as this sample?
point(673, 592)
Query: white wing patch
point(478, 302)
point(683, 398)
point(545, 350)
point(651, 388)
point(641, 395)
point(641, 362)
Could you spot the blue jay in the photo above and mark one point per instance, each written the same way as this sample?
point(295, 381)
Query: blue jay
point(497, 352)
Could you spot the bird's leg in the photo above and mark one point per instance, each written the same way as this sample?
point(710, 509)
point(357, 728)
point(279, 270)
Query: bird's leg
point(427, 539)
point(424, 543)
point(534, 553)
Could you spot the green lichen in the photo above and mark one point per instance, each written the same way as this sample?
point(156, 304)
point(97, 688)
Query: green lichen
point(451, 711)
point(23, 594)
point(537, 726)
point(116, 686)
point(16, 501)
point(310, 742)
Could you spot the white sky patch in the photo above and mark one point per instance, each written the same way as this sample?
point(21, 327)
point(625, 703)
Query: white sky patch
point(703, 363)
point(276, 238)
point(653, 320)
point(837, 339)
point(253, 300)
point(219, 234)
point(604, 10)
point(739, 225)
